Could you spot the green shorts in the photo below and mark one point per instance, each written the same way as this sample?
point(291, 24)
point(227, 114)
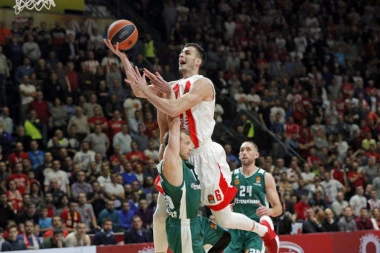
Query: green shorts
point(245, 242)
point(189, 235)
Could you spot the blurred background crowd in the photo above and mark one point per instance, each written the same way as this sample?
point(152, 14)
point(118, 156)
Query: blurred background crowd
point(300, 78)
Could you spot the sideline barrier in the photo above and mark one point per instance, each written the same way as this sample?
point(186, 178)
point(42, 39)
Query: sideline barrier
point(348, 242)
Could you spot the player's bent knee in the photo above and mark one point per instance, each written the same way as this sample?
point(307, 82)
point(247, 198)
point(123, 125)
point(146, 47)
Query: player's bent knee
point(222, 243)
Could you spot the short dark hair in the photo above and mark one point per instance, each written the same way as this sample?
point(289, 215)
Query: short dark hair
point(199, 50)
point(57, 231)
point(106, 220)
point(12, 226)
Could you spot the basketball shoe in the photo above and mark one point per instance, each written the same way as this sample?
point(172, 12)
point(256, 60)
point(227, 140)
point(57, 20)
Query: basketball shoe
point(270, 239)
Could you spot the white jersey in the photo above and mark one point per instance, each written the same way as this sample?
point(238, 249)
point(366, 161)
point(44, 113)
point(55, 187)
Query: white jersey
point(199, 120)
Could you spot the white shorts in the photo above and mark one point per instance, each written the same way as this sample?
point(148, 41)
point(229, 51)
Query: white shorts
point(210, 163)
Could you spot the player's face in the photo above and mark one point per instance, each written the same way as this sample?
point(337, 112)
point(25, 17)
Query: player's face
point(188, 59)
point(186, 146)
point(248, 154)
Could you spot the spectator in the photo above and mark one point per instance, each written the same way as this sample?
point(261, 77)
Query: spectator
point(84, 157)
point(130, 105)
point(12, 243)
point(140, 137)
point(81, 186)
point(5, 118)
point(54, 241)
point(150, 169)
point(332, 187)
point(123, 140)
point(301, 207)
point(17, 155)
point(105, 177)
point(136, 155)
point(21, 180)
point(14, 196)
point(44, 222)
point(339, 204)
point(49, 203)
point(145, 213)
point(110, 213)
point(371, 170)
point(115, 191)
point(71, 217)
point(363, 221)
point(137, 234)
point(29, 213)
point(105, 236)
point(60, 176)
point(376, 218)
point(115, 124)
point(311, 224)
point(358, 201)
point(355, 177)
point(98, 141)
point(60, 199)
point(347, 222)
point(28, 237)
point(80, 121)
point(373, 202)
point(330, 223)
point(59, 115)
point(6, 210)
point(36, 155)
point(126, 215)
point(35, 193)
point(56, 224)
point(98, 119)
point(78, 238)
point(128, 174)
point(33, 127)
point(87, 213)
point(23, 70)
point(98, 198)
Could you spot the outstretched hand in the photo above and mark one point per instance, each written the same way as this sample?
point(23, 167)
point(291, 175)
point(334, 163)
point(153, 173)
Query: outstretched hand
point(137, 81)
point(114, 48)
point(158, 82)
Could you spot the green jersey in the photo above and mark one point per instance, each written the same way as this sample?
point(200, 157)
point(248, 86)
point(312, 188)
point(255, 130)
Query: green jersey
point(251, 192)
point(183, 201)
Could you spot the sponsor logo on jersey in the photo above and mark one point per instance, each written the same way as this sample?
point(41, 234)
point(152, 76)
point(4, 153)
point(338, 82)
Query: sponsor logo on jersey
point(211, 199)
point(212, 225)
point(195, 186)
point(236, 182)
point(246, 201)
point(258, 179)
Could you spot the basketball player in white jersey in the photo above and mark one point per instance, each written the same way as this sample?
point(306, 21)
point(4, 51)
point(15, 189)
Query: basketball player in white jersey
point(194, 102)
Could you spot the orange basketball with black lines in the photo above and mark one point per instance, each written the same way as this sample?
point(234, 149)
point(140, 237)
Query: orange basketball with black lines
point(123, 31)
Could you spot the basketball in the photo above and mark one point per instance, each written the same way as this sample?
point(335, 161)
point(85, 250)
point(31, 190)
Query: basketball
point(124, 32)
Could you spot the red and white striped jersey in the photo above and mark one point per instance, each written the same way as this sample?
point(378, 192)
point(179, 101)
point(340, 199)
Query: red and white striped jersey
point(199, 120)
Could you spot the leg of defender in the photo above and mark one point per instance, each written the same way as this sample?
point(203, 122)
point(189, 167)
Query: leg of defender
point(159, 226)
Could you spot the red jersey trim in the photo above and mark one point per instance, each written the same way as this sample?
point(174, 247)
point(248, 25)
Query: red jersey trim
point(191, 120)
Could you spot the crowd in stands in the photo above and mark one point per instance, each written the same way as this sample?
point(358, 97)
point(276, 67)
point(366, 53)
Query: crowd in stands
point(78, 150)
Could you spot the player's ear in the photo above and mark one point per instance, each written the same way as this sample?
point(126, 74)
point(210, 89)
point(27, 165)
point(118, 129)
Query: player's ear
point(198, 61)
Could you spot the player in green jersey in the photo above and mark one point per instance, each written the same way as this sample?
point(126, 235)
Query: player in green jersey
point(256, 189)
point(186, 231)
